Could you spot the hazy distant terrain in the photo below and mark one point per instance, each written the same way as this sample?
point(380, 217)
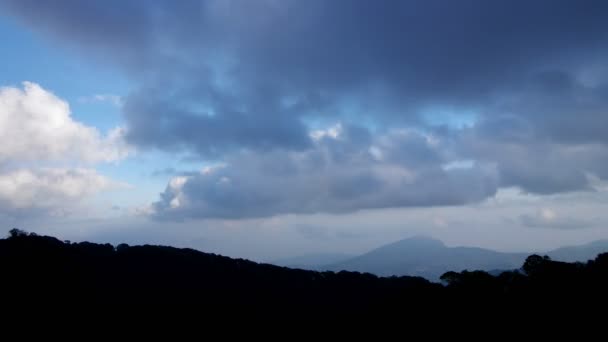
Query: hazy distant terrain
point(430, 258)
point(579, 253)
point(313, 261)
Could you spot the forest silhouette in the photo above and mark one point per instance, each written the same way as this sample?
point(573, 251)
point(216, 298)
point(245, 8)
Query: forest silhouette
point(43, 270)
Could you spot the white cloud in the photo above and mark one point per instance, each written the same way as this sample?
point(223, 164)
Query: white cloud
point(36, 125)
point(39, 137)
point(49, 189)
point(114, 100)
point(332, 132)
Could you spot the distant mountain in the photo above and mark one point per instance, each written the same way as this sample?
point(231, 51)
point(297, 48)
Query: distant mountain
point(316, 262)
point(579, 253)
point(430, 258)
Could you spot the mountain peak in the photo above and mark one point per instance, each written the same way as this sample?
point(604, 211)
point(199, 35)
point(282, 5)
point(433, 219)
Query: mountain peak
point(421, 241)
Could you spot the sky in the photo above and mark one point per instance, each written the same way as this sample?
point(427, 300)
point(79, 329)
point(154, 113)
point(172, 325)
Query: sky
point(275, 128)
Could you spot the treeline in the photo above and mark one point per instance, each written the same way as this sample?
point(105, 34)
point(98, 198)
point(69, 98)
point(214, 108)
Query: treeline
point(42, 270)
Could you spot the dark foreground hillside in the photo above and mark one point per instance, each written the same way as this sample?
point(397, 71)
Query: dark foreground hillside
point(40, 270)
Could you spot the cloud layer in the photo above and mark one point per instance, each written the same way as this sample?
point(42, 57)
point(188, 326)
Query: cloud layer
point(254, 71)
point(344, 172)
point(490, 94)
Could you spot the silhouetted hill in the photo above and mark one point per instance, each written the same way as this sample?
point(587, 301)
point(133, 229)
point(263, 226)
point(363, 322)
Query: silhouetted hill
point(42, 268)
point(44, 272)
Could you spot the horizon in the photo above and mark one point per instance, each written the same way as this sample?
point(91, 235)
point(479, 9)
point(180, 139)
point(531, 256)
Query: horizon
point(403, 259)
point(346, 256)
point(273, 129)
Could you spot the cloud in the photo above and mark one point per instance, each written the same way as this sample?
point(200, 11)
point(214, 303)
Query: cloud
point(549, 137)
point(339, 175)
point(548, 218)
point(38, 137)
point(209, 130)
point(313, 232)
point(36, 125)
point(114, 100)
point(248, 84)
point(48, 190)
point(217, 75)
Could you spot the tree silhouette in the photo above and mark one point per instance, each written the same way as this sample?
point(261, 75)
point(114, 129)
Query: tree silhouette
point(15, 233)
point(534, 263)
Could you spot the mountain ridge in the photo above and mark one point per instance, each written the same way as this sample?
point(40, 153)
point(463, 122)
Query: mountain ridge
point(429, 258)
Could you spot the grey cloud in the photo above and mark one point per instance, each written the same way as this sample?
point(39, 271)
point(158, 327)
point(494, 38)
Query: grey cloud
point(313, 232)
point(214, 74)
point(115, 29)
point(548, 138)
point(546, 218)
point(540, 168)
point(161, 123)
point(560, 108)
point(322, 233)
point(323, 179)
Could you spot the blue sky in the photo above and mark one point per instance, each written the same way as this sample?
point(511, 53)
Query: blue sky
point(61, 71)
point(241, 127)
point(69, 75)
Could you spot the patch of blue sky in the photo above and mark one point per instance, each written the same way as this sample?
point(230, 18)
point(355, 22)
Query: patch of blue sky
point(27, 57)
point(345, 113)
point(146, 174)
point(450, 117)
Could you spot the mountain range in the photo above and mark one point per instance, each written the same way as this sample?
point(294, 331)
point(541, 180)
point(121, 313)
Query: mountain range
point(430, 258)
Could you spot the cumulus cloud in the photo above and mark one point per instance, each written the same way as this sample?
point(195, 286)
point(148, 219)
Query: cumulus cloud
point(549, 218)
point(338, 175)
point(48, 190)
point(38, 133)
point(36, 125)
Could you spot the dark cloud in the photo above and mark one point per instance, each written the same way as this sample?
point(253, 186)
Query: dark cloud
point(217, 73)
point(560, 108)
point(117, 30)
point(549, 137)
point(170, 124)
point(537, 167)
